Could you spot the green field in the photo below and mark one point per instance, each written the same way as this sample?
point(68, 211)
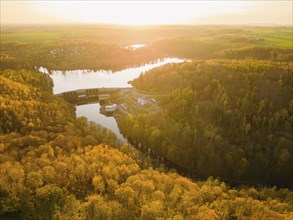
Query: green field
point(125, 35)
point(255, 36)
point(279, 37)
point(30, 37)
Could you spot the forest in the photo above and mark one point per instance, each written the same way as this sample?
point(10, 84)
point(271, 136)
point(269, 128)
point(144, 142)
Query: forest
point(231, 119)
point(72, 55)
point(227, 119)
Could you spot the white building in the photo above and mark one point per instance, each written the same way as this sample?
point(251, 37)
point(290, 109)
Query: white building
point(141, 101)
point(81, 97)
point(110, 108)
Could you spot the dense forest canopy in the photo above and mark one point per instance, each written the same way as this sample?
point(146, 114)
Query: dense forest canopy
point(224, 118)
point(75, 55)
point(227, 118)
point(63, 171)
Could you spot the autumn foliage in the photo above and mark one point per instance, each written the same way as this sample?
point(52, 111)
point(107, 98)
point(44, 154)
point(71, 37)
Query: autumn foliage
point(56, 166)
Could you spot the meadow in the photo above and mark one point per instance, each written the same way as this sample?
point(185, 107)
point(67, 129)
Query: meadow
point(126, 35)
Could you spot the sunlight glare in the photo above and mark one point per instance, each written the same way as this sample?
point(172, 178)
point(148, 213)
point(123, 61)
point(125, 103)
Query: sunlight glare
point(135, 13)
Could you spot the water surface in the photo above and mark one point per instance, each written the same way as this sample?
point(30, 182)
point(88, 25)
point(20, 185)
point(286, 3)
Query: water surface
point(135, 46)
point(92, 113)
point(83, 79)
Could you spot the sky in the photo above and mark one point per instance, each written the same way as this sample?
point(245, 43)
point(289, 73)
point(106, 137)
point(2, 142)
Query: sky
point(148, 12)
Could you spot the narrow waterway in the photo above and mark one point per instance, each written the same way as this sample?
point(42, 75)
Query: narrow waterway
point(92, 113)
point(83, 79)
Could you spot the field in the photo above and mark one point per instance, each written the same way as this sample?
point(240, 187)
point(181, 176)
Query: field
point(279, 37)
point(30, 37)
point(125, 35)
point(114, 34)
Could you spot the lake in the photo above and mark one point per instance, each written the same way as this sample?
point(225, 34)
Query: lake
point(83, 79)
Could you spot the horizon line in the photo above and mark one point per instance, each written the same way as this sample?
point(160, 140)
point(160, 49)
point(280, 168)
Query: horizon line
point(144, 25)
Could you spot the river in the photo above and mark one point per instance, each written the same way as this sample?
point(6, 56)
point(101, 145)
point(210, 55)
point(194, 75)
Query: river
point(83, 79)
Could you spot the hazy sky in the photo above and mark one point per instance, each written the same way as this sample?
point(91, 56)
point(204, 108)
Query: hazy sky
point(147, 12)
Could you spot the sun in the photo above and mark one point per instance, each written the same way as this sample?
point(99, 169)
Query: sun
point(132, 12)
point(146, 12)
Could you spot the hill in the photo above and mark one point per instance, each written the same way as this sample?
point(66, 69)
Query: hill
point(56, 166)
point(225, 118)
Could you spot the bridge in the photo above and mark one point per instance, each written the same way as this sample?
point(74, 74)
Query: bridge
point(90, 95)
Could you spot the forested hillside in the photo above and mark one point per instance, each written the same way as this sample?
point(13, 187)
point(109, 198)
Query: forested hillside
point(257, 53)
point(225, 118)
point(71, 55)
point(56, 166)
point(198, 48)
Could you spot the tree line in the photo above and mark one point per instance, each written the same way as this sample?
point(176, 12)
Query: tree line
point(71, 55)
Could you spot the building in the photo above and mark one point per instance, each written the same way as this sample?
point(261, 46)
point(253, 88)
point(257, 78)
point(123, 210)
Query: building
point(110, 108)
point(81, 94)
point(81, 97)
point(141, 101)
